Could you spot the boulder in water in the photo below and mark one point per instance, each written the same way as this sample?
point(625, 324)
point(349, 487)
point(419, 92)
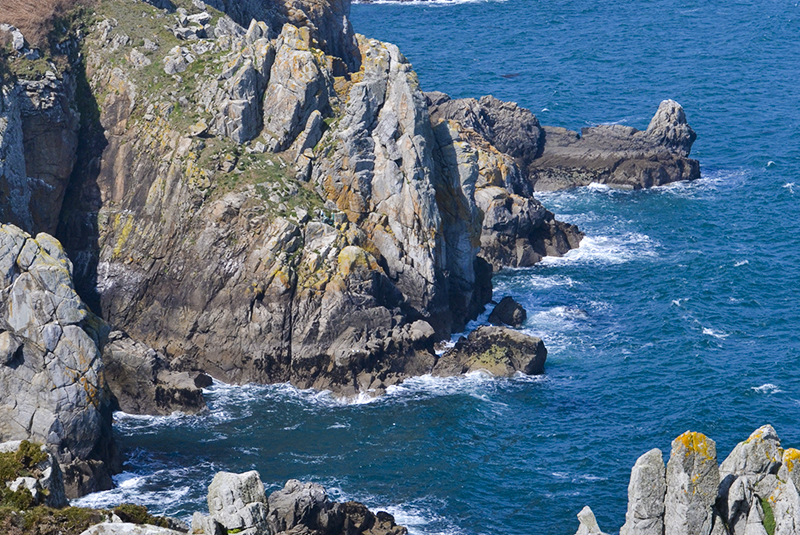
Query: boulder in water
point(508, 312)
point(496, 350)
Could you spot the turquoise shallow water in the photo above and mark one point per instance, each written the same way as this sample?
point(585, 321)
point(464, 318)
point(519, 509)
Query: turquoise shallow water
point(679, 311)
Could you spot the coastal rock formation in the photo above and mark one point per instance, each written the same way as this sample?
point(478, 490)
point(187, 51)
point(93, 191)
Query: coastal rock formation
point(646, 491)
point(508, 312)
point(142, 382)
point(126, 528)
point(264, 196)
point(617, 155)
point(753, 491)
point(52, 385)
point(692, 482)
point(499, 351)
point(588, 523)
point(489, 144)
point(237, 504)
point(38, 142)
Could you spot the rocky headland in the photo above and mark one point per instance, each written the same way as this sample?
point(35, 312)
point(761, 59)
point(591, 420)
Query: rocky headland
point(251, 191)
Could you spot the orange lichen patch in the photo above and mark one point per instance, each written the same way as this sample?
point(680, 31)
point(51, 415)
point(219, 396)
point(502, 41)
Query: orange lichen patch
point(790, 458)
point(696, 443)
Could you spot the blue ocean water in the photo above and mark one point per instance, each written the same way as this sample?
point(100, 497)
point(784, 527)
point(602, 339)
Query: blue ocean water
point(679, 311)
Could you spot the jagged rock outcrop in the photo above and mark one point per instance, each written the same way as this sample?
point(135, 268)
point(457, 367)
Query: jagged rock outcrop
point(499, 351)
point(646, 491)
point(588, 523)
point(327, 22)
point(489, 144)
point(752, 492)
point(617, 155)
point(508, 312)
point(52, 385)
point(237, 503)
point(38, 142)
point(142, 382)
point(692, 482)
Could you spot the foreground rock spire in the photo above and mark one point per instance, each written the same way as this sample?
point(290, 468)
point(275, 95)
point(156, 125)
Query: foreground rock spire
point(753, 492)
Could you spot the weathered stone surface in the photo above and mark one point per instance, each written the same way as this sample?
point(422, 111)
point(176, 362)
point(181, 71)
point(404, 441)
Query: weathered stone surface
point(238, 503)
point(692, 482)
point(124, 528)
point(297, 87)
point(299, 508)
point(617, 155)
point(517, 231)
point(508, 312)
point(497, 350)
point(142, 382)
point(758, 458)
point(588, 523)
point(52, 385)
point(38, 142)
point(326, 22)
point(646, 491)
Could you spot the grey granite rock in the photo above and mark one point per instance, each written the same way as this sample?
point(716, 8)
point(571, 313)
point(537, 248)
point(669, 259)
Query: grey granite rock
point(646, 492)
point(142, 382)
point(52, 385)
point(297, 86)
point(759, 458)
point(617, 155)
point(692, 483)
point(124, 528)
point(588, 523)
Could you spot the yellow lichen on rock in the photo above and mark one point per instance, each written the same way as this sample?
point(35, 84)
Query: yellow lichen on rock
point(791, 456)
point(351, 258)
point(696, 443)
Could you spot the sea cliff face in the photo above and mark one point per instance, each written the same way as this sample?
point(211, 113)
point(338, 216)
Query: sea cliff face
point(262, 195)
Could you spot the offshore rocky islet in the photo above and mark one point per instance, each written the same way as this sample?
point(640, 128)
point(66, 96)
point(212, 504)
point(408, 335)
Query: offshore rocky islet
point(423, 197)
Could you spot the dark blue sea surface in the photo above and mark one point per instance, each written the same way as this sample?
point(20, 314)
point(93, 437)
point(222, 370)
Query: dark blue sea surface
point(679, 310)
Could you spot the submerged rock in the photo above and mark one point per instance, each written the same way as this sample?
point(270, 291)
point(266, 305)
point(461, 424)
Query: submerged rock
point(499, 351)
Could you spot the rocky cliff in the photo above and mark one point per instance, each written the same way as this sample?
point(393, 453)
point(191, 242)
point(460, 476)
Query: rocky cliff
point(252, 190)
point(753, 492)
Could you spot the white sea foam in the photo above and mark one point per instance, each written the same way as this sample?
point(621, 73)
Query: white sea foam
point(742, 263)
point(790, 186)
point(767, 388)
point(608, 250)
point(679, 302)
point(130, 490)
point(716, 334)
point(533, 282)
